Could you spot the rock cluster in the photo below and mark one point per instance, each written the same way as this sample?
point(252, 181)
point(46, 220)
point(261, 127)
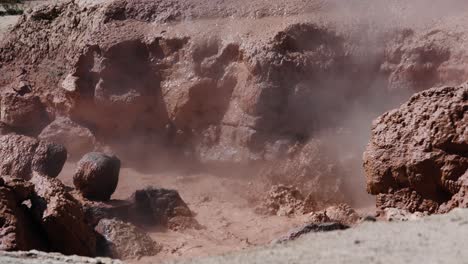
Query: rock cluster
point(42, 213)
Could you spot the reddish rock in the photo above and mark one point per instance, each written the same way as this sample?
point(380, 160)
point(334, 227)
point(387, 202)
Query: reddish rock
point(21, 155)
point(155, 206)
point(49, 159)
point(62, 218)
point(417, 153)
point(123, 240)
point(77, 139)
point(97, 176)
point(284, 201)
point(17, 230)
point(343, 214)
point(23, 113)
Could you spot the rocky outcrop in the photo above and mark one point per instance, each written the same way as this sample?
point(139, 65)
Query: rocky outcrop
point(97, 176)
point(17, 230)
point(21, 155)
point(62, 218)
point(78, 139)
point(124, 241)
point(418, 153)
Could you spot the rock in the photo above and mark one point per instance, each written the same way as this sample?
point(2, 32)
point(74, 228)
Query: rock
point(150, 207)
point(460, 198)
point(97, 176)
point(417, 153)
point(77, 139)
point(310, 228)
point(95, 210)
point(406, 199)
point(284, 200)
point(122, 240)
point(62, 218)
point(343, 214)
point(157, 206)
point(17, 231)
point(49, 159)
point(38, 257)
point(395, 214)
point(21, 155)
point(24, 113)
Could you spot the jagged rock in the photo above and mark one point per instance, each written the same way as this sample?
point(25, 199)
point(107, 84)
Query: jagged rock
point(123, 240)
point(460, 198)
point(309, 228)
point(23, 113)
point(97, 176)
point(343, 214)
point(62, 218)
point(395, 214)
point(406, 199)
point(34, 256)
point(17, 231)
point(21, 155)
point(417, 153)
point(285, 201)
point(157, 206)
point(77, 139)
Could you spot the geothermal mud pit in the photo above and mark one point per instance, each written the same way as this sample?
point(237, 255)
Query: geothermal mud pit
point(231, 123)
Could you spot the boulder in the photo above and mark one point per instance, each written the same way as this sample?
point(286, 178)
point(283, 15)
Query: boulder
point(417, 153)
point(21, 155)
point(163, 207)
point(123, 240)
point(61, 217)
point(97, 176)
point(24, 113)
point(17, 230)
point(49, 159)
point(78, 139)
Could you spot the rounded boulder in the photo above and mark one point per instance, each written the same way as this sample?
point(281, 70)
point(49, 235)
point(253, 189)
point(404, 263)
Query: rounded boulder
point(97, 176)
